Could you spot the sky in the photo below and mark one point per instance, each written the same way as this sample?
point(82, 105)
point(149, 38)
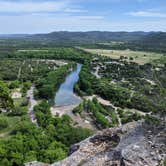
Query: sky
point(43, 16)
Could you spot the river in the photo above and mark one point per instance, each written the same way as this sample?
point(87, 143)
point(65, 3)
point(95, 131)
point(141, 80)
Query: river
point(65, 95)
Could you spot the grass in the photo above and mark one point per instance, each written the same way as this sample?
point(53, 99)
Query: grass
point(139, 57)
point(161, 61)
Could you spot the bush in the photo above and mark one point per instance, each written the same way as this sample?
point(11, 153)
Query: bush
point(18, 111)
point(3, 122)
point(99, 117)
point(14, 84)
point(6, 101)
point(24, 103)
point(151, 120)
point(26, 86)
point(79, 109)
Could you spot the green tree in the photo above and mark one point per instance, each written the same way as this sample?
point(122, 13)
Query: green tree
point(5, 100)
point(3, 122)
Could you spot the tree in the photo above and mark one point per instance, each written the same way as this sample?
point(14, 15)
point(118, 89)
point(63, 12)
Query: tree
point(18, 111)
point(6, 101)
point(30, 156)
point(5, 162)
point(54, 155)
point(3, 122)
point(14, 84)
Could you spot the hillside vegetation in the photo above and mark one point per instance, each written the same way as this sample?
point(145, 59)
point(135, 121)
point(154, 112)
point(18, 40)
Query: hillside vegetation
point(144, 41)
point(114, 90)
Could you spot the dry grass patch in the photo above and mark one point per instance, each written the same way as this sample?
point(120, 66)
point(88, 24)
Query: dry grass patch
point(139, 57)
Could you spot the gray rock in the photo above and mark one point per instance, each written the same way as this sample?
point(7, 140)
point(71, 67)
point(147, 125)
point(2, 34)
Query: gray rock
point(128, 145)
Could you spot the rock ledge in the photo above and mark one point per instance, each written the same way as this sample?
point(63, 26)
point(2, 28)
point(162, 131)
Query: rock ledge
point(133, 144)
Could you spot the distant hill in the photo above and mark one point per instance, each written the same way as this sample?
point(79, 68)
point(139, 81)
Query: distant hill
point(150, 41)
point(13, 35)
point(91, 37)
point(155, 37)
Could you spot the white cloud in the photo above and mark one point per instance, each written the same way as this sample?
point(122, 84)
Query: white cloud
point(89, 17)
point(74, 10)
point(147, 14)
point(45, 23)
point(30, 7)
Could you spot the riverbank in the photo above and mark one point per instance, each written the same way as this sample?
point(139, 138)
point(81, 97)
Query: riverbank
point(62, 110)
point(77, 119)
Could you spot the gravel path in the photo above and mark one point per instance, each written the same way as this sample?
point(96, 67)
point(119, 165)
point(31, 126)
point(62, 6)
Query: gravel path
point(32, 103)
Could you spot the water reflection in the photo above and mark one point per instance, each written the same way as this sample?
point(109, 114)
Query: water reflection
point(65, 94)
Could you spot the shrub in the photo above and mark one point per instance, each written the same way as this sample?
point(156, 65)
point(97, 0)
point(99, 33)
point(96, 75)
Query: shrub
point(3, 122)
point(14, 84)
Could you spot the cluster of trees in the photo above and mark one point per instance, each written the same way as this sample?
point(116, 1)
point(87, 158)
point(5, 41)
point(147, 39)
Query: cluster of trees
point(6, 101)
point(9, 69)
point(152, 120)
point(89, 84)
point(71, 54)
point(29, 143)
point(49, 142)
point(135, 93)
point(118, 71)
point(79, 109)
point(47, 86)
point(128, 116)
point(14, 84)
point(103, 116)
point(141, 102)
point(99, 117)
point(33, 70)
point(62, 126)
point(24, 69)
point(18, 110)
point(135, 46)
point(25, 86)
point(3, 122)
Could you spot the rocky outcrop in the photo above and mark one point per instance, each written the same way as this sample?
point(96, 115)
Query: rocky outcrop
point(133, 144)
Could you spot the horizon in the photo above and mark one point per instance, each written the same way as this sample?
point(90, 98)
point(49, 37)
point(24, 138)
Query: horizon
point(10, 34)
point(38, 17)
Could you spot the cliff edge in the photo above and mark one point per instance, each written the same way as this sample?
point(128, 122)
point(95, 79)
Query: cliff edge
point(133, 144)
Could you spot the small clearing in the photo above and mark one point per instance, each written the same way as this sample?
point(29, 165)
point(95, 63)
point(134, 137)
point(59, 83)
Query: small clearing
point(16, 94)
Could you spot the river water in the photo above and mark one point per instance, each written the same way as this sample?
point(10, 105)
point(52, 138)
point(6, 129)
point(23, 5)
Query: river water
point(65, 95)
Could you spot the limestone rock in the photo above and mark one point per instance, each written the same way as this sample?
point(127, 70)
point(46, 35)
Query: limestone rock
point(129, 145)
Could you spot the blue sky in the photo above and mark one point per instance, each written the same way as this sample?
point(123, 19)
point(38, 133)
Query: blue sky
point(39, 16)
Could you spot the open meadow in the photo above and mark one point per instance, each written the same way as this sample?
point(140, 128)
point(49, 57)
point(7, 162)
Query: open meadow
point(139, 57)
